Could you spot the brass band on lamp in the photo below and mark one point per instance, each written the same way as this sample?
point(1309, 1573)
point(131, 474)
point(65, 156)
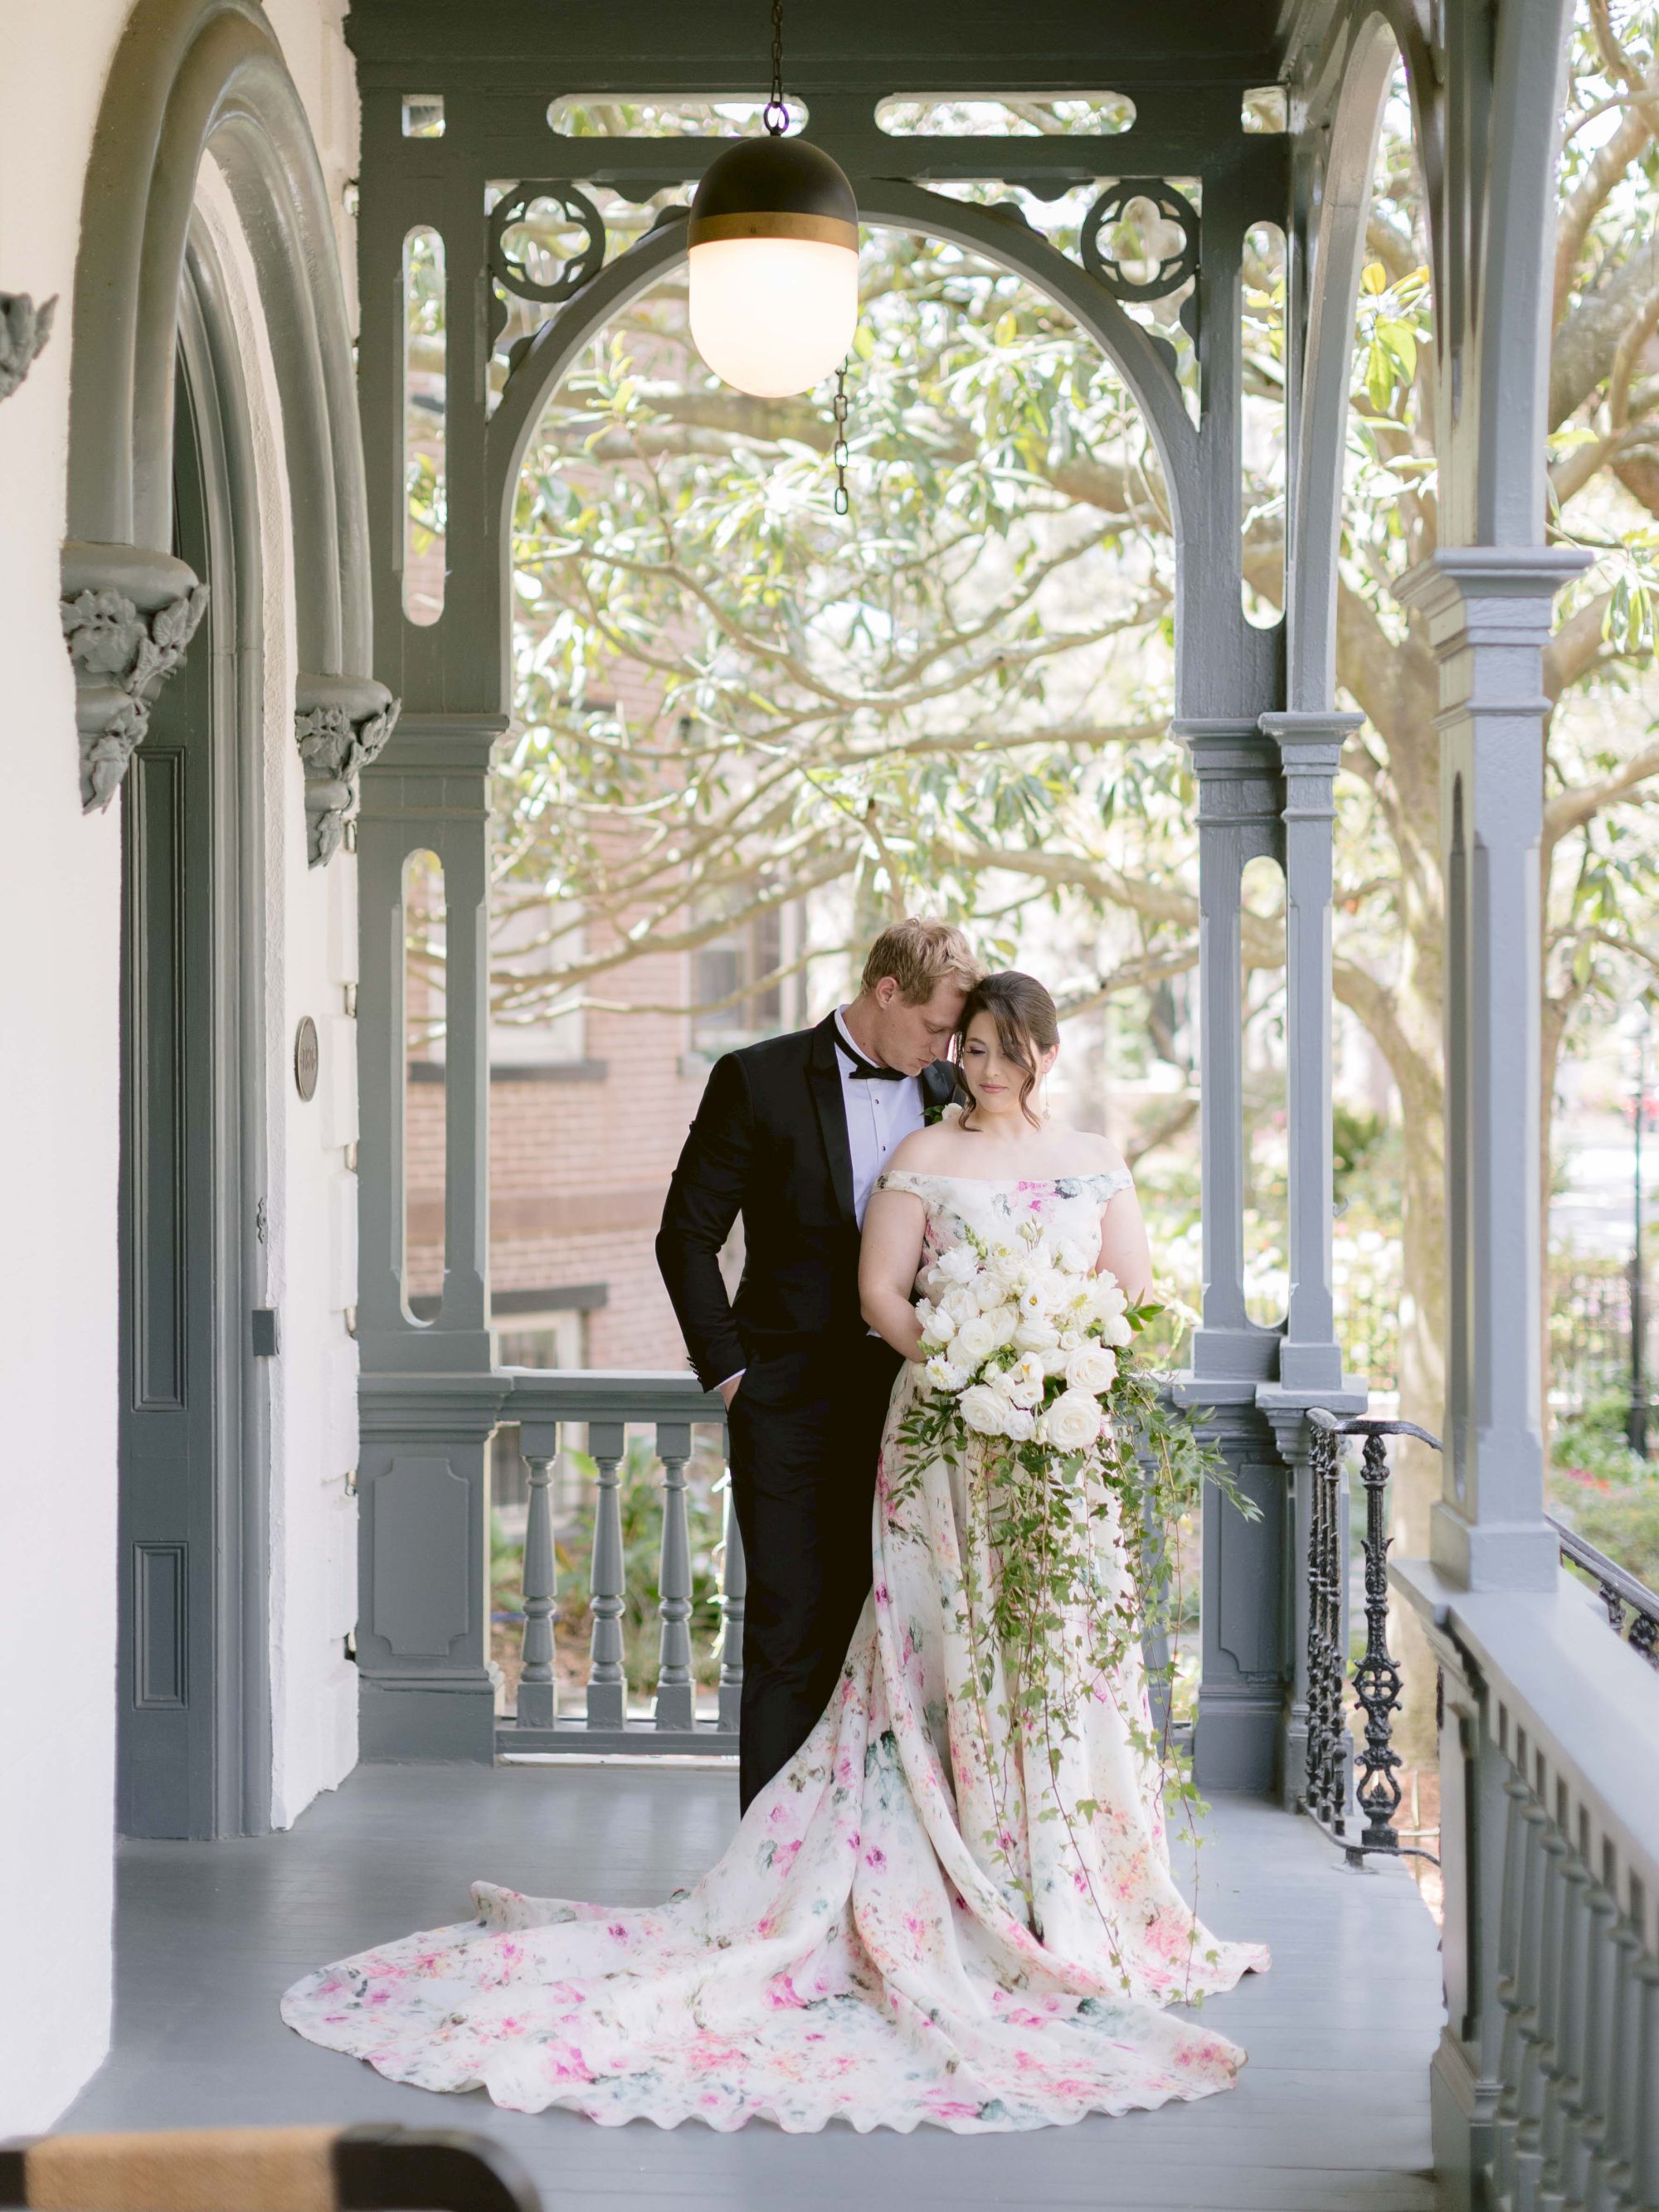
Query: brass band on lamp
point(774, 241)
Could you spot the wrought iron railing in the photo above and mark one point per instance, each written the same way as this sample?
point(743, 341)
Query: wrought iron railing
point(1331, 1792)
point(546, 1406)
point(1620, 1593)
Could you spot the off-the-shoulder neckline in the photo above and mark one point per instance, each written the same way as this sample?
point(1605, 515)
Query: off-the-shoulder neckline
point(1010, 1183)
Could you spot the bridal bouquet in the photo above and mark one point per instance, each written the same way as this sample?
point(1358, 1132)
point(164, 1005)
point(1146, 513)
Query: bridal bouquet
point(1023, 1335)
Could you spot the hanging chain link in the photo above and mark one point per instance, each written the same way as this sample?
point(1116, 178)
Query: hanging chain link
point(776, 115)
point(838, 451)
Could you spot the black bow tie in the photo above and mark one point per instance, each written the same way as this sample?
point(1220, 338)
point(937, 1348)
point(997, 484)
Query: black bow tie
point(865, 1071)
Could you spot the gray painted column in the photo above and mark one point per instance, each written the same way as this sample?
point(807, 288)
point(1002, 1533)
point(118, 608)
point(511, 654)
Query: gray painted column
point(1309, 747)
point(1487, 609)
point(430, 1404)
point(428, 1688)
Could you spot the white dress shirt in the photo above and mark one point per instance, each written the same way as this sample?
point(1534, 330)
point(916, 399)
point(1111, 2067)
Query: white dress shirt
point(879, 1117)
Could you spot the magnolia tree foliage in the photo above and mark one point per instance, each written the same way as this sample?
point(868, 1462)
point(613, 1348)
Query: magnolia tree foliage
point(958, 697)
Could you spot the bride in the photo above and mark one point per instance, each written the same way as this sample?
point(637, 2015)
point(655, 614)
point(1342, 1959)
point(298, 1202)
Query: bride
point(934, 1912)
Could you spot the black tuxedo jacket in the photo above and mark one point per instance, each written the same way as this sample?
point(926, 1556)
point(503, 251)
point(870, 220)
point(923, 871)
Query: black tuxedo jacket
point(769, 1142)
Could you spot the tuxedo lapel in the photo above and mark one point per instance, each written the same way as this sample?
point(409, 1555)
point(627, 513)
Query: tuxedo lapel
point(938, 1085)
point(823, 1078)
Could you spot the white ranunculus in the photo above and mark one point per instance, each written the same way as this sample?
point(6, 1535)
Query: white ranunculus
point(1055, 1358)
point(1018, 1423)
point(973, 1343)
point(1076, 1258)
point(959, 1265)
point(990, 1293)
point(1092, 1367)
point(1034, 1332)
point(984, 1410)
point(1004, 1321)
point(1024, 1381)
point(945, 1374)
point(1117, 1330)
point(1072, 1422)
point(959, 1303)
point(1107, 1296)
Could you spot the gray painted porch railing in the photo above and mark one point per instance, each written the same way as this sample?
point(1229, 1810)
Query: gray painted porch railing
point(609, 1404)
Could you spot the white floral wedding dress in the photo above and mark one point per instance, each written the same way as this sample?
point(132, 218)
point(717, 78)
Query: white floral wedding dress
point(903, 1930)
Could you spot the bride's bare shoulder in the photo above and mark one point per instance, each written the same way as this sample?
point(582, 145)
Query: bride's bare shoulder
point(1095, 1154)
point(928, 1152)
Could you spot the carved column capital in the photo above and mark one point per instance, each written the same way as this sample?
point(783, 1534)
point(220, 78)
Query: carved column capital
point(341, 723)
point(24, 330)
point(128, 614)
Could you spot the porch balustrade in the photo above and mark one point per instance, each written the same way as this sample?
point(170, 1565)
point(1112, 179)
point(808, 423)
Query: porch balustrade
point(547, 1406)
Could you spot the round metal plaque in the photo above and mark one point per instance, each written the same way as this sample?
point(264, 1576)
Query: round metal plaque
point(306, 1056)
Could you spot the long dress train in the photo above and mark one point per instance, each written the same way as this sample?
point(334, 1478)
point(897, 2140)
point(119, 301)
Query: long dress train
point(908, 1926)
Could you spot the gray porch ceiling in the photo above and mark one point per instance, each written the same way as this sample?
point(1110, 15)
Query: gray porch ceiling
point(851, 46)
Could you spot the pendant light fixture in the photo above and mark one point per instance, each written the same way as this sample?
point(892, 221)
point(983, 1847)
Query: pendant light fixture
point(773, 241)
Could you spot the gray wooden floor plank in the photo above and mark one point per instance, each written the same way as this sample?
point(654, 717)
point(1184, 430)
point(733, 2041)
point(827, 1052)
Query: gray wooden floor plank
point(1331, 2115)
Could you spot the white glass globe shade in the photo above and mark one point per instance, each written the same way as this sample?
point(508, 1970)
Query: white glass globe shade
point(773, 316)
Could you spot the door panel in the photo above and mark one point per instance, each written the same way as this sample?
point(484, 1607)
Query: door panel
point(172, 1434)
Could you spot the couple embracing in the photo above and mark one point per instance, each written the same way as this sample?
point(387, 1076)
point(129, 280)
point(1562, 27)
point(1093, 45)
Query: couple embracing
point(933, 1910)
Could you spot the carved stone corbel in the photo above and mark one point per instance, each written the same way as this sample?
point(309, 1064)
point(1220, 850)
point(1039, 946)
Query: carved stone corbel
point(341, 723)
point(24, 330)
point(127, 613)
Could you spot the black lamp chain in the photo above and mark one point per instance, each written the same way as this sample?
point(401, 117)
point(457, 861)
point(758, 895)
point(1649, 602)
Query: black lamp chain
point(776, 115)
point(838, 451)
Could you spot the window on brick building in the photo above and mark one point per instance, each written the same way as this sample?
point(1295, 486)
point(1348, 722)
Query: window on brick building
point(551, 1341)
point(530, 939)
point(737, 995)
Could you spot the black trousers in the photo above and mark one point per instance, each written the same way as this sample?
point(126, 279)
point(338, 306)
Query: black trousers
point(806, 1429)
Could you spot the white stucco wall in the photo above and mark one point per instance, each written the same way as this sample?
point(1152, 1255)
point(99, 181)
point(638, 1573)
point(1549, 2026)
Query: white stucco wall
point(59, 1134)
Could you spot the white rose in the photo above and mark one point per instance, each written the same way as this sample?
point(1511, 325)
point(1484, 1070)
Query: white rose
point(1072, 1422)
point(1003, 1321)
point(1077, 1259)
point(1005, 1265)
point(959, 1303)
point(1024, 1381)
point(940, 1325)
point(983, 1411)
point(1055, 1358)
point(1018, 1423)
point(959, 1265)
point(1117, 1330)
point(1035, 1333)
point(943, 1374)
point(973, 1343)
point(1092, 1367)
point(989, 1292)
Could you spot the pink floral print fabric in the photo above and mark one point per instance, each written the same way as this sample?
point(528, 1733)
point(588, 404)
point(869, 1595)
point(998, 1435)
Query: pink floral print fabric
point(916, 1923)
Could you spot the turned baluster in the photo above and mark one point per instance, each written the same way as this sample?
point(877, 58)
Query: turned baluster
point(607, 1685)
point(676, 1691)
point(537, 1688)
point(734, 1585)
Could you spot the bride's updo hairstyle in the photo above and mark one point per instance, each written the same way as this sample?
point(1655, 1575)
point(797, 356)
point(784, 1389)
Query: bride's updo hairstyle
point(1027, 1024)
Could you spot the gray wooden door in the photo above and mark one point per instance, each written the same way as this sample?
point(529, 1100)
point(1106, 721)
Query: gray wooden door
point(176, 1366)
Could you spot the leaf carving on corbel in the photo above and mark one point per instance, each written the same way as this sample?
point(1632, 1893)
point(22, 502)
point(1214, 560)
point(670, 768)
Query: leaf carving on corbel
point(24, 330)
point(336, 747)
point(120, 656)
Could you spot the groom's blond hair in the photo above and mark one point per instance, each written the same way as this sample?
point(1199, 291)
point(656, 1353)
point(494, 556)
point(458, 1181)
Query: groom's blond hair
point(919, 955)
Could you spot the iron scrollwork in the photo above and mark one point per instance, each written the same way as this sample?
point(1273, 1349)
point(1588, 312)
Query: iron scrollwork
point(578, 269)
point(1376, 1680)
point(1173, 269)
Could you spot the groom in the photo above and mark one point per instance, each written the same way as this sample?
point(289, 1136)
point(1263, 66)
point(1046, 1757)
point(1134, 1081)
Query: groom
point(792, 1133)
